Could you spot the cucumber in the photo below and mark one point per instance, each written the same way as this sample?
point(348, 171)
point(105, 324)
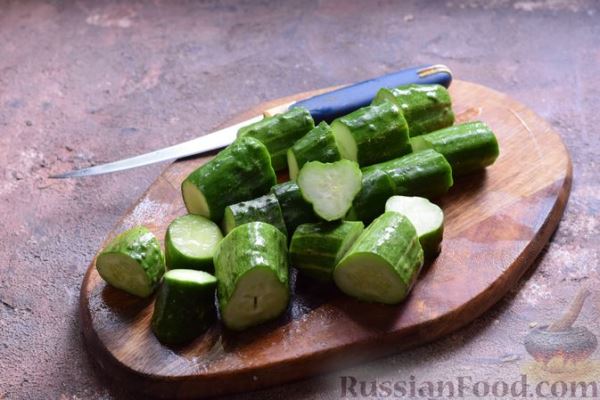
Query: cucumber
point(317, 145)
point(384, 262)
point(185, 306)
point(133, 262)
point(252, 274)
point(242, 171)
point(468, 147)
point(296, 211)
point(330, 187)
point(279, 132)
point(369, 203)
point(372, 134)
point(316, 248)
point(265, 209)
point(426, 108)
point(190, 243)
point(426, 174)
point(426, 217)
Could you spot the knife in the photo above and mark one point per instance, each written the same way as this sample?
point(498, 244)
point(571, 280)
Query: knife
point(324, 107)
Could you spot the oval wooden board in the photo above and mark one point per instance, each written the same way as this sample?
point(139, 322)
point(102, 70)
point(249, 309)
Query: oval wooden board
point(496, 224)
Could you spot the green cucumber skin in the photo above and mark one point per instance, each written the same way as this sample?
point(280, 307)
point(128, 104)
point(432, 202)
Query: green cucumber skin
point(279, 132)
point(183, 311)
point(426, 108)
point(468, 147)
point(316, 248)
point(380, 132)
point(296, 211)
point(249, 246)
point(426, 174)
point(142, 246)
point(393, 238)
point(242, 171)
point(369, 203)
point(317, 145)
point(264, 209)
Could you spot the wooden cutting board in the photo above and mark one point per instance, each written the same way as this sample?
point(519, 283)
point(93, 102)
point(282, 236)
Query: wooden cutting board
point(497, 222)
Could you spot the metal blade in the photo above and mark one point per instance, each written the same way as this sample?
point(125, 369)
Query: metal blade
point(212, 141)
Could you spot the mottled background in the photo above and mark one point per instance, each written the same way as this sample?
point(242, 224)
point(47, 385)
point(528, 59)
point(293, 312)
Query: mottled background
point(96, 81)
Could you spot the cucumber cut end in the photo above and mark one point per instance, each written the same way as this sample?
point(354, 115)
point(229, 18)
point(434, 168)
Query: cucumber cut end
point(367, 277)
point(425, 216)
point(330, 187)
point(125, 273)
point(194, 200)
point(258, 297)
point(292, 164)
point(190, 276)
point(228, 221)
point(345, 141)
point(195, 236)
point(418, 143)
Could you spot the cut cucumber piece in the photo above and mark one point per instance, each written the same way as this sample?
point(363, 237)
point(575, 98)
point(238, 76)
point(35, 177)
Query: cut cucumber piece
point(252, 274)
point(242, 171)
point(372, 134)
point(133, 262)
point(384, 262)
point(369, 203)
point(185, 306)
point(190, 243)
point(468, 147)
point(265, 209)
point(296, 211)
point(426, 107)
point(317, 145)
point(316, 248)
point(425, 174)
point(330, 187)
point(426, 217)
point(279, 132)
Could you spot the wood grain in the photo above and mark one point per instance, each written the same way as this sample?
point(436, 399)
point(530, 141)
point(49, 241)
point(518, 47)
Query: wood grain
point(497, 222)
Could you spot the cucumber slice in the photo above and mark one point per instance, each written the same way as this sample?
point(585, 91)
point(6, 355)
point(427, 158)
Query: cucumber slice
point(383, 263)
point(133, 262)
point(426, 174)
point(369, 203)
point(279, 132)
point(190, 243)
point(330, 187)
point(426, 217)
point(185, 306)
point(242, 171)
point(265, 209)
point(317, 145)
point(316, 248)
point(372, 134)
point(426, 107)
point(296, 211)
point(468, 147)
point(252, 274)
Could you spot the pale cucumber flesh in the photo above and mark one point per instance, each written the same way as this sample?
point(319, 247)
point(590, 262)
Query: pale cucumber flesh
point(258, 297)
point(367, 277)
point(125, 273)
point(345, 141)
point(330, 187)
point(195, 236)
point(195, 201)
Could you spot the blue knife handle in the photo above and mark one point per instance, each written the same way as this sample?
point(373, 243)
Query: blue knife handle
point(330, 105)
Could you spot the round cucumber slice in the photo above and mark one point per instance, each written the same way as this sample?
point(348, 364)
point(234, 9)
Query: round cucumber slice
point(426, 217)
point(133, 262)
point(190, 243)
point(185, 306)
point(330, 187)
point(259, 296)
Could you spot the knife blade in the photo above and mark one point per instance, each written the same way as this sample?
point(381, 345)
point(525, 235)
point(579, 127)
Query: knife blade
point(324, 107)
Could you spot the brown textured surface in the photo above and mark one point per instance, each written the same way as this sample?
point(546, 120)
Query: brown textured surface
point(76, 78)
point(496, 223)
